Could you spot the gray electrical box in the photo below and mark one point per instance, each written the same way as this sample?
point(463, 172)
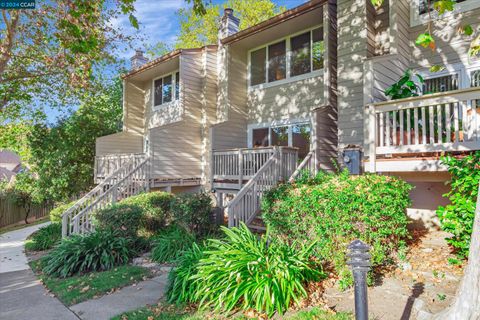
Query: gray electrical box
point(352, 159)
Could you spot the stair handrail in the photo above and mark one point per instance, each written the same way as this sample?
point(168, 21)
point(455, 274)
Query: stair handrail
point(70, 213)
point(112, 191)
point(250, 186)
point(302, 166)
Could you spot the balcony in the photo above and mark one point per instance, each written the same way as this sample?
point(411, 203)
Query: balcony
point(108, 164)
point(410, 134)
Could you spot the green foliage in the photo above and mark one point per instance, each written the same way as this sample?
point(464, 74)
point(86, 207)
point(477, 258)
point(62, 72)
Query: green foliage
point(23, 190)
point(97, 251)
point(75, 289)
point(338, 208)
point(182, 287)
point(200, 27)
point(45, 238)
point(442, 6)
point(247, 272)
point(155, 208)
point(425, 40)
point(56, 213)
point(169, 244)
point(193, 211)
point(405, 87)
point(457, 217)
point(14, 137)
point(124, 219)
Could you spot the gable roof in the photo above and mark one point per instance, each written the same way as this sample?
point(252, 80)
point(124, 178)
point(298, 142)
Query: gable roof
point(6, 174)
point(10, 157)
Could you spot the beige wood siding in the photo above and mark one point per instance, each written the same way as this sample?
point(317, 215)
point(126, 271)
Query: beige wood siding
point(133, 107)
point(122, 142)
point(176, 151)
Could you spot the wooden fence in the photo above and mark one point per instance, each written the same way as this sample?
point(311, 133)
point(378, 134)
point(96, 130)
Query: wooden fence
point(10, 213)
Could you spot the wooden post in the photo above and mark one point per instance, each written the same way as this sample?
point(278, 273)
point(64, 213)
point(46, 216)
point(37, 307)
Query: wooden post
point(64, 226)
point(240, 169)
point(372, 138)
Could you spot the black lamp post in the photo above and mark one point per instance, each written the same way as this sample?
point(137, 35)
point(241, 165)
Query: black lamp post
point(360, 264)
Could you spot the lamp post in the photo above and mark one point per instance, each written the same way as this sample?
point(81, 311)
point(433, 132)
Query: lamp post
point(360, 264)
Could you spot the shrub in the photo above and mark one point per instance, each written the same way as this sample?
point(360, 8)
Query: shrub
point(457, 217)
point(243, 270)
point(45, 238)
point(124, 219)
point(155, 207)
point(56, 213)
point(193, 212)
point(338, 208)
point(97, 251)
point(182, 287)
point(169, 244)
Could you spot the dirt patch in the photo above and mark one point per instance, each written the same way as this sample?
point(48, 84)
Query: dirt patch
point(426, 277)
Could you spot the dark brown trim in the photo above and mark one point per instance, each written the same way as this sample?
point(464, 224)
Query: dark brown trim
point(287, 15)
point(171, 55)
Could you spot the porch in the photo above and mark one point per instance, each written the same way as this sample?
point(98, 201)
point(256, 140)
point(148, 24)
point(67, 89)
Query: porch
point(411, 134)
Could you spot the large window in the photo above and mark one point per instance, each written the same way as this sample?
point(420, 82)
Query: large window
point(305, 54)
point(166, 89)
point(441, 84)
point(423, 5)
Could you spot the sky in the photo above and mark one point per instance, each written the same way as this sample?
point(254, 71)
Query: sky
point(158, 22)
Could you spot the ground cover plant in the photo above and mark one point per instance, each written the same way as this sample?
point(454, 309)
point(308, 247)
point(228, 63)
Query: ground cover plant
point(338, 208)
point(96, 251)
point(75, 289)
point(169, 245)
point(44, 238)
point(457, 217)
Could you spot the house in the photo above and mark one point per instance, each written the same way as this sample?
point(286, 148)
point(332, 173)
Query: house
point(302, 90)
point(10, 165)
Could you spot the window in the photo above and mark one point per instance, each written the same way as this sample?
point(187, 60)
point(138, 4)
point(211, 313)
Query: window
point(423, 5)
point(475, 78)
point(301, 138)
point(277, 61)
point(260, 137)
point(305, 54)
point(164, 90)
point(441, 84)
point(258, 67)
point(280, 136)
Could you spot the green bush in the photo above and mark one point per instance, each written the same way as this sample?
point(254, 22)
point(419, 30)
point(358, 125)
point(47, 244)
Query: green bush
point(56, 213)
point(193, 212)
point(182, 287)
point(457, 217)
point(155, 207)
point(244, 271)
point(97, 251)
point(169, 244)
point(45, 238)
point(338, 208)
point(125, 219)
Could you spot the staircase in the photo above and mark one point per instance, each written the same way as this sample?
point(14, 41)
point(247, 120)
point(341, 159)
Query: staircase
point(131, 178)
point(246, 205)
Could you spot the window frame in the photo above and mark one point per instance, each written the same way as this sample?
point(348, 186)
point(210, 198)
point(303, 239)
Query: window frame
point(175, 99)
point(281, 123)
point(288, 77)
point(417, 19)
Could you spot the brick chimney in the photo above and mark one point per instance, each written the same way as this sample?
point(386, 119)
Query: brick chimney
point(138, 59)
point(229, 24)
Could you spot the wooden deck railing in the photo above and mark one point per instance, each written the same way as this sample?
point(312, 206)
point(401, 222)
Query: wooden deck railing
point(446, 121)
point(128, 180)
point(307, 165)
point(107, 164)
point(243, 164)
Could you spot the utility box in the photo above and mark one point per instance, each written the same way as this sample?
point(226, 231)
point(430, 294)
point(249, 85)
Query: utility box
point(352, 159)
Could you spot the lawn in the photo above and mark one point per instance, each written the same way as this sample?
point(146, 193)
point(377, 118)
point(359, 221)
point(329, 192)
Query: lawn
point(162, 312)
point(76, 289)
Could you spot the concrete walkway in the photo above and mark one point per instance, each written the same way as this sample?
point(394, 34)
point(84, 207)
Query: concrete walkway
point(127, 299)
point(22, 296)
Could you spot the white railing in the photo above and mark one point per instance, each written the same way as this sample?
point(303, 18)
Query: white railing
point(128, 180)
point(107, 164)
point(246, 204)
point(437, 122)
point(307, 165)
point(243, 164)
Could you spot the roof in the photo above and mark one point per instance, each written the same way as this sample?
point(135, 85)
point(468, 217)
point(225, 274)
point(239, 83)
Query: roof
point(171, 55)
point(6, 174)
point(7, 156)
point(282, 17)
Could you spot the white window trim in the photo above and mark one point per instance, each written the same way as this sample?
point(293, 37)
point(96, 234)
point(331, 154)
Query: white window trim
point(461, 69)
point(175, 99)
point(417, 19)
point(312, 73)
point(275, 124)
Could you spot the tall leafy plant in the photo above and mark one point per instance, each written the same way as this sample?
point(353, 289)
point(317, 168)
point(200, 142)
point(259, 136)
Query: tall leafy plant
point(405, 87)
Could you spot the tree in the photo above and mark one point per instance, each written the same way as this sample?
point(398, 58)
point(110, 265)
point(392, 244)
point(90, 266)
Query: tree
point(201, 28)
point(14, 137)
point(63, 155)
point(50, 52)
point(22, 190)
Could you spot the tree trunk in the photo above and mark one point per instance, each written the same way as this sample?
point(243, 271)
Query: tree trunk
point(467, 301)
point(27, 212)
